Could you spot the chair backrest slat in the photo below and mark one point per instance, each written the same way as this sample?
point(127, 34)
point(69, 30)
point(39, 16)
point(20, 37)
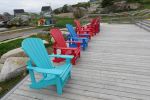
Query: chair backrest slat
point(78, 25)
point(36, 50)
point(58, 37)
point(71, 31)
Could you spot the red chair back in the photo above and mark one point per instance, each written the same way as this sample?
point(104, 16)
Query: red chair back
point(58, 37)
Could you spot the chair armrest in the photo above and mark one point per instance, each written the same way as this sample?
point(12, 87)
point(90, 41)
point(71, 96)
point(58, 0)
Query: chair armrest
point(67, 57)
point(61, 56)
point(77, 42)
point(83, 35)
point(47, 71)
point(80, 38)
point(86, 30)
point(64, 48)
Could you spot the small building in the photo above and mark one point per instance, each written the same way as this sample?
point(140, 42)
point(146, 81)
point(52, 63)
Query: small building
point(46, 11)
point(18, 12)
point(93, 0)
point(46, 16)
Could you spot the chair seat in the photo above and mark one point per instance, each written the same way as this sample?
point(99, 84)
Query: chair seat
point(65, 68)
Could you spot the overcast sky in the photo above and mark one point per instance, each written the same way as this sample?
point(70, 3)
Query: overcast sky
point(33, 5)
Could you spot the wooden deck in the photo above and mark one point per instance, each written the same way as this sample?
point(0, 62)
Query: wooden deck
point(116, 66)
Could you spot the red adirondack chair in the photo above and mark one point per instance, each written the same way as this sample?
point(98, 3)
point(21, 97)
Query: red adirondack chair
point(82, 30)
point(60, 44)
point(98, 24)
point(93, 24)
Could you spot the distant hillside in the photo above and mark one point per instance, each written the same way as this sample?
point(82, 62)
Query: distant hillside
point(106, 6)
point(69, 8)
point(124, 5)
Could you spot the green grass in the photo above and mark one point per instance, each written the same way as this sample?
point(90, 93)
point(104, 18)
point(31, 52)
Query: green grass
point(9, 84)
point(61, 22)
point(5, 47)
point(147, 5)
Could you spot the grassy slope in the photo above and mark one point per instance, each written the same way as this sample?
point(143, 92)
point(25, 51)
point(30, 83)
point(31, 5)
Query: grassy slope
point(146, 4)
point(7, 85)
point(61, 22)
point(5, 47)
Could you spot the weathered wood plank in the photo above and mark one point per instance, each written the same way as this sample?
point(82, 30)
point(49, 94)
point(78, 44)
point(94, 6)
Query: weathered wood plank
point(88, 82)
point(48, 93)
point(20, 97)
point(84, 94)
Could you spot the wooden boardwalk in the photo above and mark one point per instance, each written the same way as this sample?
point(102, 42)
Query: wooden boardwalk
point(116, 66)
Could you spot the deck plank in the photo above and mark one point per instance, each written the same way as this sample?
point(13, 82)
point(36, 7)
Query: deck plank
point(116, 66)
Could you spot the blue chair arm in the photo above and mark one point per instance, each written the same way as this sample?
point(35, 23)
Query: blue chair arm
point(83, 34)
point(81, 39)
point(47, 71)
point(61, 56)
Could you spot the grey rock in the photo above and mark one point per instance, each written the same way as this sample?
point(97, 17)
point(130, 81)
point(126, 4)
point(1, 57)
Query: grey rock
point(13, 66)
point(13, 53)
point(1, 65)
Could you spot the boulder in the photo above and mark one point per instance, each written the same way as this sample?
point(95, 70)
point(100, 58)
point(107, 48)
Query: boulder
point(13, 66)
point(12, 53)
point(1, 65)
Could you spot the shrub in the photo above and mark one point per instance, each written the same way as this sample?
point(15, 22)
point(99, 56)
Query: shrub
point(106, 3)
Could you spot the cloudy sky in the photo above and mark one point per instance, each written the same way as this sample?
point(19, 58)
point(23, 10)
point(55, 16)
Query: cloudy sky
point(33, 5)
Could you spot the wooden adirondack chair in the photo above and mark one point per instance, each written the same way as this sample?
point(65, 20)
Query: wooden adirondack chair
point(73, 36)
point(93, 24)
point(98, 24)
point(82, 30)
point(60, 44)
point(52, 75)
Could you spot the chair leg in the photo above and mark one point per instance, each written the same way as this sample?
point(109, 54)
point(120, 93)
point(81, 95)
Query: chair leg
point(59, 86)
point(32, 77)
point(70, 74)
point(84, 48)
point(79, 55)
point(73, 61)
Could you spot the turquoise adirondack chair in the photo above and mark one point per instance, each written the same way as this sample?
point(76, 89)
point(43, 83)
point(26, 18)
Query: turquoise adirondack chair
point(52, 75)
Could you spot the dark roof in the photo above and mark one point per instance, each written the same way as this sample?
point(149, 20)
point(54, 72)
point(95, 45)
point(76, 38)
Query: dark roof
point(16, 11)
point(46, 8)
point(92, 0)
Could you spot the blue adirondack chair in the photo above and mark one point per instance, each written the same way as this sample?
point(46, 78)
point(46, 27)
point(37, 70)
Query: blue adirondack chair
point(73, 36)
point(52, 75)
